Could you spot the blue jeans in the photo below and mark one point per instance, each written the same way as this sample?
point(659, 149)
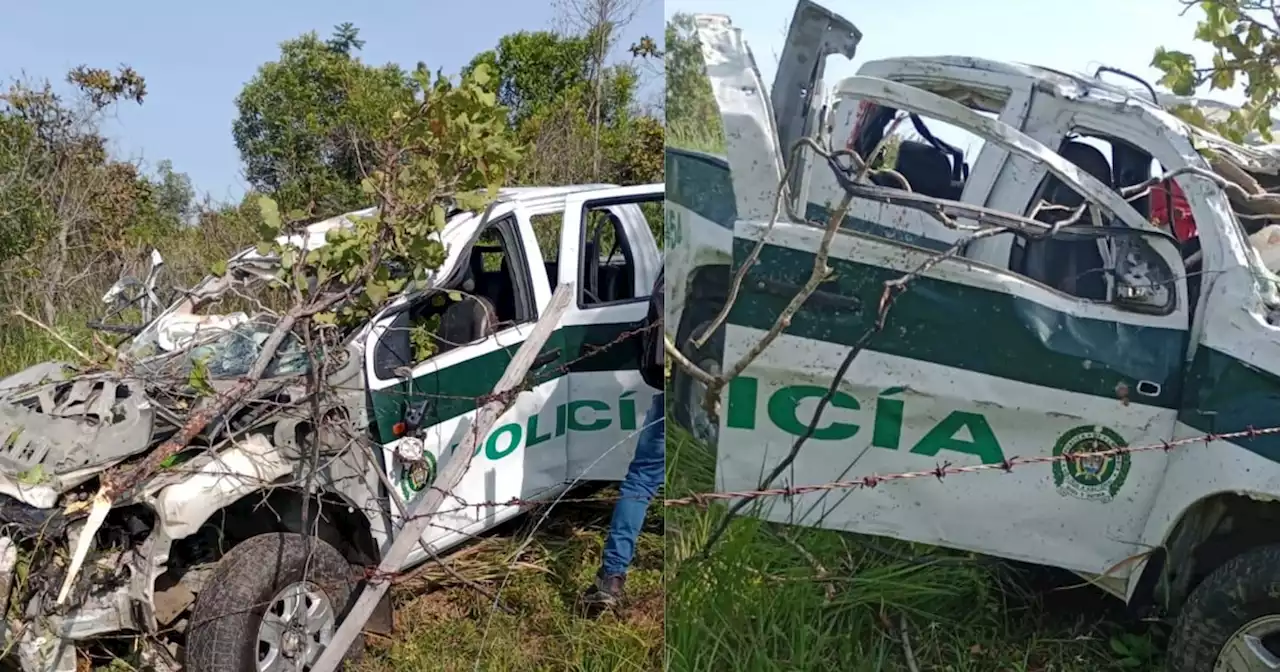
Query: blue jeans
point(645, 474)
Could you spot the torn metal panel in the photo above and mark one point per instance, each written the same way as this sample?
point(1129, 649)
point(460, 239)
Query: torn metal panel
point(813, 34)
point(247, 466)
point(56, 436)
point(751, 139)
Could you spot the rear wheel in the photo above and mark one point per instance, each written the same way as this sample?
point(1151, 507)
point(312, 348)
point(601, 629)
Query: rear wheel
point(689, 393)
point(270, 607)
point(1231, 622)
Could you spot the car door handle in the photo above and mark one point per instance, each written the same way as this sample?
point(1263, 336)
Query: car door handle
point(547, 357)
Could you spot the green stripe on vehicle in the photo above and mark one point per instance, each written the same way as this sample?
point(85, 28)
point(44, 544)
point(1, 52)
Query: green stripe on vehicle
point(964, 327)
point(454, 390)
point(1225, 394)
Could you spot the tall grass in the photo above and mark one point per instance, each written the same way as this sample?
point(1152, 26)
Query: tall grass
point(772, 597)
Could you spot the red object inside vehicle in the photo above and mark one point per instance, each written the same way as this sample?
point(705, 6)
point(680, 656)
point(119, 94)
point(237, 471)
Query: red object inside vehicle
point(1184, 225)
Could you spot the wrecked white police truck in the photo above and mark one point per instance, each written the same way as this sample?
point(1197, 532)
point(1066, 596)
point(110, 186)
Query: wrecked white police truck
point(214, 546)
point(1115, 330)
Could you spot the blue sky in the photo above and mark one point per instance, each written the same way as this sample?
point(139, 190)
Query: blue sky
point(196, 56)
point(1072, 36)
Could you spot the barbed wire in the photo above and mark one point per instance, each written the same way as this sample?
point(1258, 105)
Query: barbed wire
point(940, 471)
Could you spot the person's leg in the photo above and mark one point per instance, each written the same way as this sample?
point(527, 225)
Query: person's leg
point(644, 477)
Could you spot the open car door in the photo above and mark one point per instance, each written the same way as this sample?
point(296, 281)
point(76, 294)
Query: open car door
point(607, 250)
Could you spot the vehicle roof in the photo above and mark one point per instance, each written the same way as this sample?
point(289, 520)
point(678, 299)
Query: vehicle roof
point(1080, 86)
point(1065, 84)
point(313, 235)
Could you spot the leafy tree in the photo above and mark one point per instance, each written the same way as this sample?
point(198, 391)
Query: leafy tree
point(547, 81)
point(535, 70)
point(1245, 36)
point(692, 115)
point(306, 122)
point(67, 207)
point(448, 146)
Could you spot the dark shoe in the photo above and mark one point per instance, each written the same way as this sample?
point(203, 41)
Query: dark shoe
point(605, 592)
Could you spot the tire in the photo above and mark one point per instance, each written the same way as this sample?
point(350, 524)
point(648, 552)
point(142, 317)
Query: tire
point(225, 621)
point(1244, 589)
point(687, 397)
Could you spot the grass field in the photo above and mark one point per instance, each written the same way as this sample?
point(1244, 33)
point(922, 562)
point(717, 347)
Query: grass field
point(443, 627)
point(760, 600)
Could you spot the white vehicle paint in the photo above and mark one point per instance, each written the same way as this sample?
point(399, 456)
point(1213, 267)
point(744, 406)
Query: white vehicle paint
point(990, 354)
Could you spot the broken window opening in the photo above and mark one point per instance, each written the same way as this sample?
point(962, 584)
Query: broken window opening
point(915, 153)
point(546, 229)
point(491, 294)
point(606, 260)
point(1114, 269)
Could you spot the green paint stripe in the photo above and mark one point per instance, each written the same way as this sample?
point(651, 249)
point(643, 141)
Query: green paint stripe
point(1225, 394)
point(700, 182)
point(456, 388)
point(958, 326)
point(582, 346)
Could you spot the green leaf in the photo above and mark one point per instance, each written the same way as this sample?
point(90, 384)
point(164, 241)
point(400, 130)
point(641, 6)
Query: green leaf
point(480, 74)
point(324, 318)
point(376, 291)
point(32, 476)
point(454, 295)
point(198, 378)
point(270, 215)
point(219, 268)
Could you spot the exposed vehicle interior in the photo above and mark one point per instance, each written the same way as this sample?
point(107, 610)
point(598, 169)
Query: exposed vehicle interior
point(490, 295)
point(933, 167)
point(1073, 266)
point(608, 267)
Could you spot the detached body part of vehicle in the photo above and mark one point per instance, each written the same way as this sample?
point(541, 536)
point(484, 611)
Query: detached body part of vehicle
point(223, 526)
point(1018, 346)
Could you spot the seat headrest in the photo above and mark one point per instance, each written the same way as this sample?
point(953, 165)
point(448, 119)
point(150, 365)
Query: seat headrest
point(1089, 159)
point(926, 168)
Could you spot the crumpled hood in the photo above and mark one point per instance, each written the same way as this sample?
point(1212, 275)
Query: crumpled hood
point(58, 432)
point(175, 329)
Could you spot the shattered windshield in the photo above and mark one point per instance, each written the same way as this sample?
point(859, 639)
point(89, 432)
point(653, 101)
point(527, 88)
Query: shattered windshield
point(233, 353)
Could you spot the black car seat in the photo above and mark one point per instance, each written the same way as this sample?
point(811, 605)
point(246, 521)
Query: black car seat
point(472, 318)
point(505, 301)
point(927, 169)
point(1071, 266)
point(488, 284)
point(466, 321)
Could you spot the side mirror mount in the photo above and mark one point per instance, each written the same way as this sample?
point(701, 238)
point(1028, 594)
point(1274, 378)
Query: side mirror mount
point(1146, 279)
point(415, 413)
